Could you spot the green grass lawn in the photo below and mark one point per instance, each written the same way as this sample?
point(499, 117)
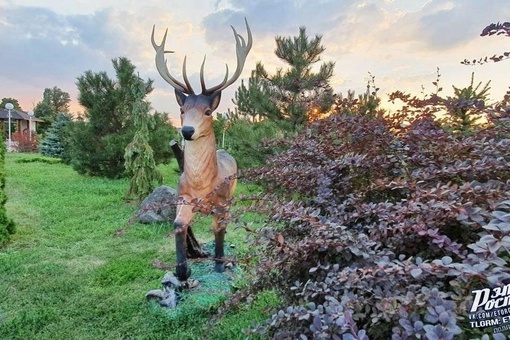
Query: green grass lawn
point(65, 275)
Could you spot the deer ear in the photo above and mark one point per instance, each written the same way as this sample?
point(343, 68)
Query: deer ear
point(180, 96)
point(215, 100)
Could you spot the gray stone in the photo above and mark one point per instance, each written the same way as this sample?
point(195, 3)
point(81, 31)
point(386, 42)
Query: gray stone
point(170, 300)
point(167, 297)
point(159, 206)
point(170, 280)
point(156, 294)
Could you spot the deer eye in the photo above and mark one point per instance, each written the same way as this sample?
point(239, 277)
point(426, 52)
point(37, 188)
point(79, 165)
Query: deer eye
point(182, 111)
point(208, 112)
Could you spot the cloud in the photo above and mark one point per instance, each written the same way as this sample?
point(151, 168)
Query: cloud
point(270, 16)
point(446, 25)
point(44, 49)
point(403, 40)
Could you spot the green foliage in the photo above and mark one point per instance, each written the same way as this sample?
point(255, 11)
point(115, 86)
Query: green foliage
point(290, 95)
point(244, 139)
point(97, 144)
point(13, 101)
point(254, 101)
point(96, 155)
point(32, 159)
point(54, 101)
point(7, 226)
point(366, 104)
point(139, 157)
point(465, 108)
point(161, 132)
point(462, 113)
point(53, 144)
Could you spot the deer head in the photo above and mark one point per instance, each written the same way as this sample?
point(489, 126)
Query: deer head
point(196, 110)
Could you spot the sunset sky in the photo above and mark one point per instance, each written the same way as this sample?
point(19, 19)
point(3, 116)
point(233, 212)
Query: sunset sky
point(400, 42)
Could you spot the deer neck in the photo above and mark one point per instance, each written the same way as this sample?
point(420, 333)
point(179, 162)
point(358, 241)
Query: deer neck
point(200, 164)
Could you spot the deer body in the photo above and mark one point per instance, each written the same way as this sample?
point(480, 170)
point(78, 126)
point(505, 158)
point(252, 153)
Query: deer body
point(209, 175)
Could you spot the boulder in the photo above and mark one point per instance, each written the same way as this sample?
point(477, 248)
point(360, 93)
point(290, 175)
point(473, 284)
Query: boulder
point(159, 206)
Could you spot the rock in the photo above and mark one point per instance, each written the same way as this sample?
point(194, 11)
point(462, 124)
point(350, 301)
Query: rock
point(170, 300)
point(170, 280)
point(167, 297)
point(157, 294)
point(159, 206)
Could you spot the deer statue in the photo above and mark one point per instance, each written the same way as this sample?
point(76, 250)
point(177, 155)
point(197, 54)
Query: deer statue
point(209, 175)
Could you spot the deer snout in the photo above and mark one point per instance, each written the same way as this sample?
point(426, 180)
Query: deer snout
point(187, 132)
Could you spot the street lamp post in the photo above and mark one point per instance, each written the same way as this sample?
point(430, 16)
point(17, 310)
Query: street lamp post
point(9, 107)
point(30, 114)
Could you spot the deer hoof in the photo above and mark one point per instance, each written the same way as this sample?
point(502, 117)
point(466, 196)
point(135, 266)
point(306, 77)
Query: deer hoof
point(183, 272)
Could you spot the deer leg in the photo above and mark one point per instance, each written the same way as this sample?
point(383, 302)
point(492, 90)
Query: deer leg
point(181, 225)
point(219, 228)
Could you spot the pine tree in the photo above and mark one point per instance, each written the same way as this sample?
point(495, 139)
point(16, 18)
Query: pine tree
point(289, 96)
point(98, 143)
point(254, 101)
point(464, 109)
point(139, 156)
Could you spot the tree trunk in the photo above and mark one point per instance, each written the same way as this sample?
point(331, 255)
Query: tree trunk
point(178, 153)
point(194, 250)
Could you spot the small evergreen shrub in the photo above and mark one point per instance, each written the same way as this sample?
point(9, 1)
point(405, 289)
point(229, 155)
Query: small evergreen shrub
point(139, 156)
point(53, 144)
point(7, 226)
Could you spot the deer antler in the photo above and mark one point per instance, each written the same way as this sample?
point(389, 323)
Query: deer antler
point(242, 50)
point(163, 69)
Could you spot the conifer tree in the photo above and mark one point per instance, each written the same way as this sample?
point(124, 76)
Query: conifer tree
point(53, 144)
point(98, 143)
point(139, 156)
point(290, 95)
point(465, 108)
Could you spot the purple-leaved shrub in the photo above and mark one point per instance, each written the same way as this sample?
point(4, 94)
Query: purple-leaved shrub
point(380, 227)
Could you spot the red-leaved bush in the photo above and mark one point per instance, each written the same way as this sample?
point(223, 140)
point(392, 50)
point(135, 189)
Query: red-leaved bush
point(25, 143)
point(381, 227)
